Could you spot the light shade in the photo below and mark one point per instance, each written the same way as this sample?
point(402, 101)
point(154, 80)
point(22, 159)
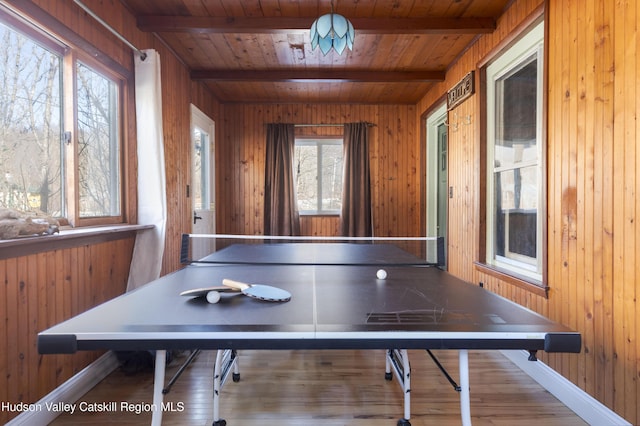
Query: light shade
point(332, 31)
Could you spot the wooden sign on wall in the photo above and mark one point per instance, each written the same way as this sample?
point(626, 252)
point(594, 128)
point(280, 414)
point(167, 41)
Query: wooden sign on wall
point(461, 91)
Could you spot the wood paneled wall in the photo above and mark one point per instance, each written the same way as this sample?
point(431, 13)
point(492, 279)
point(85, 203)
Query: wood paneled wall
point(320, 225)
point(41, 290)
point(593, 178)
point(394, 158)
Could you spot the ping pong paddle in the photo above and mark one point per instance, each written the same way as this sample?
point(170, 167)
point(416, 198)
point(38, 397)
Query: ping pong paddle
point(203, 291)
point(259, 291)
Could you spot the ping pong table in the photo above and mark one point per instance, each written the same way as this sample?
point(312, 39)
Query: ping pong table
point(337, 302)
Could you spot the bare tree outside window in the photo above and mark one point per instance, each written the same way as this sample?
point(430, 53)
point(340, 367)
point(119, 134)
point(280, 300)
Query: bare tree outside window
point(30, 130)
point(98, 150)
point(318, 171)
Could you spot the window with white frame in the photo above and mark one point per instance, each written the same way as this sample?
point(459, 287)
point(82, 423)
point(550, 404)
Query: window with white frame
point(60, 137)
point(515, 153)
point(318, 171)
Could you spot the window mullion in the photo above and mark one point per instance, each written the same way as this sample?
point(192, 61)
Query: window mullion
point(70, 120)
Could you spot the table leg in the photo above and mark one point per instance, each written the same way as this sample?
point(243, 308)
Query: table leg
point(406, 369)
point(465, 402)
point(217, 373)
point(158, 385)
point(398, 359)
point(226, 362)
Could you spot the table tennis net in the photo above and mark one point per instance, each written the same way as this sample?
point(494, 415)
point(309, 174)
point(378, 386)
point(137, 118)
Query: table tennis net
point(260, 249)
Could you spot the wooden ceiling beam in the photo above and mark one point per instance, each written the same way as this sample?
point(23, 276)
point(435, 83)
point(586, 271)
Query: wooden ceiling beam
point(269, 25)
point(351, 76)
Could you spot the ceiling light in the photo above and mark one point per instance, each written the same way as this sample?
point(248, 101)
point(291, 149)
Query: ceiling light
point(332, 30)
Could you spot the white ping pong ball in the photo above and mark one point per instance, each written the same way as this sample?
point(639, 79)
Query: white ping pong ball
point(213, 297)
point(381, 274)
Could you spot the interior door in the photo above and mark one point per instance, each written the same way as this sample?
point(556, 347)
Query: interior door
point(202, 182)
point(437, 183)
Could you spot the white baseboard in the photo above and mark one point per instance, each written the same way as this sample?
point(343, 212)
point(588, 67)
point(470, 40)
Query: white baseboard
point(584, 405)
point(68, 392)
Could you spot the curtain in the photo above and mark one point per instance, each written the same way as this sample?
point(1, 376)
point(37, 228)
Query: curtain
point(356, 187)
point(152, 202)
point(280, 205)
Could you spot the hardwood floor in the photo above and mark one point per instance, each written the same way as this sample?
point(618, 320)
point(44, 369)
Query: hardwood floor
point(331, 388)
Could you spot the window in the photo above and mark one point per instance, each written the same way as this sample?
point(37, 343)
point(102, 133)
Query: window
point(201, 198)
point(31, 116)
point(98, 144)
point(515, 191)
point(60, 138)
point(318, 171)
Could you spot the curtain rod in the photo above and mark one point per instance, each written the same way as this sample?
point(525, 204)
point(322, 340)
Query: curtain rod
point(143, 55)
point(318, 125)
point(323, 125)
point(326, 125)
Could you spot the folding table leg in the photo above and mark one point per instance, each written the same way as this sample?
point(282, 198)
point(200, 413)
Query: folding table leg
point(158, 385)
point(217, 386)
point(226, 362)
point(465, 402)
point(399, 360)
point(406, 369)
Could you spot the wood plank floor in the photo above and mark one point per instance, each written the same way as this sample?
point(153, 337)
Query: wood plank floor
point(331, 388)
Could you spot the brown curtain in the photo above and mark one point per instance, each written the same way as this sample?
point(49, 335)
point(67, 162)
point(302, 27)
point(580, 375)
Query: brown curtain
point(280, 205)
point(356, 187)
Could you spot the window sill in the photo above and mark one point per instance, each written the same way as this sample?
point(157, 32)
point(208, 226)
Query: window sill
point(535, 287)
point(67, 238)
point(321, 214)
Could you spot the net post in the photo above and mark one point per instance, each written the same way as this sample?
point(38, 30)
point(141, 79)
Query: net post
point(184, 249)
point(440, 251)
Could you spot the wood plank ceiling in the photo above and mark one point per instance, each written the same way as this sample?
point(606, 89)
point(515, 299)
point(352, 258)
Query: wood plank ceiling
point(259, 51)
